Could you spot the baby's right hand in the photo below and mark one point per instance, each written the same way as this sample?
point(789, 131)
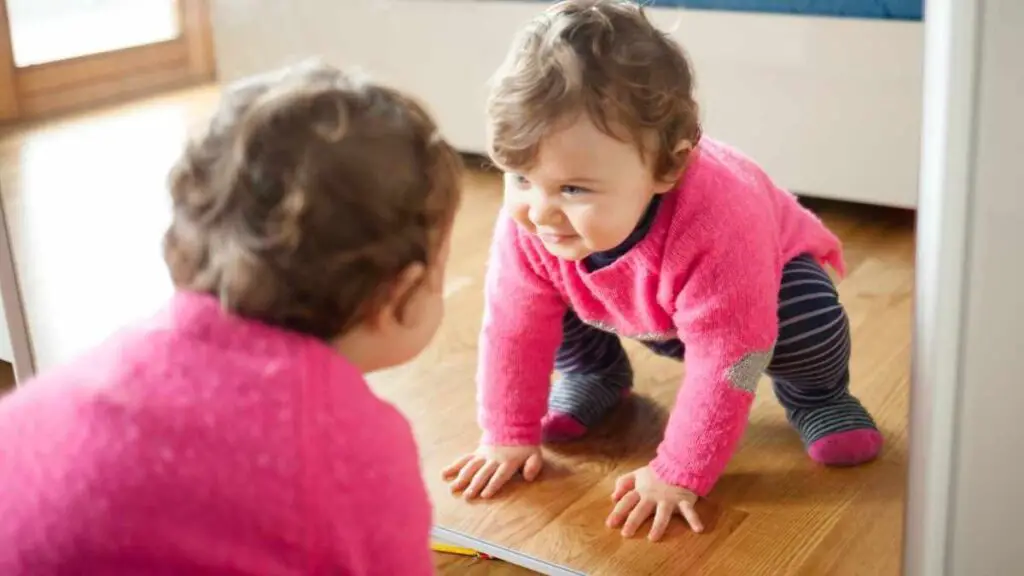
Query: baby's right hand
point(485, 471)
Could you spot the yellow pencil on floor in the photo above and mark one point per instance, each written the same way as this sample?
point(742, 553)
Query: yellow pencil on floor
point(459, 550)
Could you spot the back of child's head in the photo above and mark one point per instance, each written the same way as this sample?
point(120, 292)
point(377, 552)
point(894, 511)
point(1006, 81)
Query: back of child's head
point(306, 196)
point(602, 58)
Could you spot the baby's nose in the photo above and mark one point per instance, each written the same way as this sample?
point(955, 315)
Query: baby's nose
point(543, 212)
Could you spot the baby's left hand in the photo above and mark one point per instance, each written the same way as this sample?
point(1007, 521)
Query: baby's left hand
point(640, 494)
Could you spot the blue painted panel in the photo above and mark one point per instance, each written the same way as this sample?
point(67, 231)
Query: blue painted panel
point(875, 9)
point(882, 9)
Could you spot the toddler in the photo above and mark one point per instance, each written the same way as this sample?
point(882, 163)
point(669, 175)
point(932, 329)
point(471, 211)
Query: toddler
point(233, 432)
point(622, 220)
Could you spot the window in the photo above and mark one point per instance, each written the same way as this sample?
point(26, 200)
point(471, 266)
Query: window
point(58, 55)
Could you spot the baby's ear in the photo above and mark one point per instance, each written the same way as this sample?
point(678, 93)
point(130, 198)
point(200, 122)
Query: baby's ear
point(403, 291)
point(681, 154)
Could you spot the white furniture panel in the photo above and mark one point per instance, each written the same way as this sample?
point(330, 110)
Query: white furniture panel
point(830, 106)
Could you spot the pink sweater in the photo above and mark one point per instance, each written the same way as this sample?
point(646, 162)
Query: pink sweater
point(707, 272)
point(200, 443)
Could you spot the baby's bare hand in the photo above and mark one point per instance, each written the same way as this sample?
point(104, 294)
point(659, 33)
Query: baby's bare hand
point(485, 471)
point(641, 494)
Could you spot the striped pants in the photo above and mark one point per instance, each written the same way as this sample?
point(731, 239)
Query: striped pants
point(809, 368)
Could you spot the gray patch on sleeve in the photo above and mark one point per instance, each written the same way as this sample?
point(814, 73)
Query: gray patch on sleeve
point(745, 373)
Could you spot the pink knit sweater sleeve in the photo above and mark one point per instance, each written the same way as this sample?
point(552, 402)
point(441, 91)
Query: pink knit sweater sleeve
point(521, 331)
point(726, 314)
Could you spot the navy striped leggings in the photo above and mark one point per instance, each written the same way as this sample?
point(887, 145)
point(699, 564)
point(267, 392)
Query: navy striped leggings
point(809, 368)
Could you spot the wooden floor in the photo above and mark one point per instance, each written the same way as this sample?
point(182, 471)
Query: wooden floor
point(87, 206)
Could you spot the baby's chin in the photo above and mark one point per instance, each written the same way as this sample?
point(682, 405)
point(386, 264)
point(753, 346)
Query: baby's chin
point(574, 251)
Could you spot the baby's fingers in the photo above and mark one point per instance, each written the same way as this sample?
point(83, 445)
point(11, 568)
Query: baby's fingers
point(622, 509)
point(453, 469)
point(466, 474)
point(499, 479)
point(690, 513)
point(480, 479)
point(623, 485)
point(532, 467)
point(662, 518)
point(638, 516)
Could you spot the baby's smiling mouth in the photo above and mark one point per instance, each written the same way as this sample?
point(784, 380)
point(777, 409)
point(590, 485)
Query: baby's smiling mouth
point(554, 237)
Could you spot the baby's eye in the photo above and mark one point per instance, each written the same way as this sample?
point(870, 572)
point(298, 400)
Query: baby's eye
point(521, 181)
point(573, 190)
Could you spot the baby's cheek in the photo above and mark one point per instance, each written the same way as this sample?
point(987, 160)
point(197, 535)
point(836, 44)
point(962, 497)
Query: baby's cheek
point(591, 227)
point(520, 212)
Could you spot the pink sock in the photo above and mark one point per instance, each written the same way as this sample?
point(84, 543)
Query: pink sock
point(846, 448)
point(562, 427)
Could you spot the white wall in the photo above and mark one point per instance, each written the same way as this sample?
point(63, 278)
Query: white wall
point(965, 508)
point(830, 106)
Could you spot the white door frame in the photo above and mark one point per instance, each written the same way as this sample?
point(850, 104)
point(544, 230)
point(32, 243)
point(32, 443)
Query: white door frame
point(14, 304)
point(953, 34)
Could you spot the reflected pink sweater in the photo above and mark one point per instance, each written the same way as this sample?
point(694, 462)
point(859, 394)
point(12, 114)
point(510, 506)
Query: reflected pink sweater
point(707, 272)
point(200, 443)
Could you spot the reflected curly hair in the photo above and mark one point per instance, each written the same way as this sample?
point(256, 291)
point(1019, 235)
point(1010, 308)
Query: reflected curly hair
point(306, 195)
point(603, 58)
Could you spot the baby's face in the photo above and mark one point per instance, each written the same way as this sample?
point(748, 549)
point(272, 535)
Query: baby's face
point(585, 193)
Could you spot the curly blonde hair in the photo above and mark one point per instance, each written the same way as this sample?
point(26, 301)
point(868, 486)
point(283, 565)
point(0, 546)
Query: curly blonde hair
point(603, 58)
point(306, 195)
